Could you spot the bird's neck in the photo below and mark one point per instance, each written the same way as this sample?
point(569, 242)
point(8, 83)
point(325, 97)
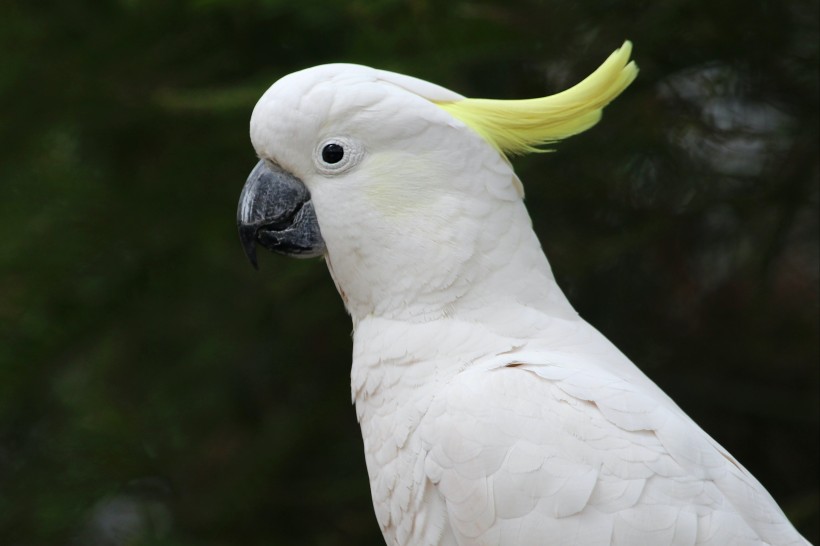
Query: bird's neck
point(498, 268)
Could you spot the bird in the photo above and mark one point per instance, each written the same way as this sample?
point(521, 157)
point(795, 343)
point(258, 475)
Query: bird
point(491, 412)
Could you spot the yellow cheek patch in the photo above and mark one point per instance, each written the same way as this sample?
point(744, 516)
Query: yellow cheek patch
point(521, 126)
point(394, 186)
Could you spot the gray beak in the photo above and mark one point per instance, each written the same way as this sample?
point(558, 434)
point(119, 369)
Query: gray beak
point(275, 211)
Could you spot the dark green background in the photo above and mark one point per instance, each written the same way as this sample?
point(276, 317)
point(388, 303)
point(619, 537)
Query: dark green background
point(147, 373)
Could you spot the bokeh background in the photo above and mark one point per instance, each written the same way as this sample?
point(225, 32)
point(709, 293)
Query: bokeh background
point(155, 389)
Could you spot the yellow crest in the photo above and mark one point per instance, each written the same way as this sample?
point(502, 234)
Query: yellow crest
point(520, 126)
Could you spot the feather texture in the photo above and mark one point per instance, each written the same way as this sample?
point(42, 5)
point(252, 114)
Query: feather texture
point(521, 126)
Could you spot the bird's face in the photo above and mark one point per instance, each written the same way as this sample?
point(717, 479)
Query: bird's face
point(348, 160)
point(390, 188)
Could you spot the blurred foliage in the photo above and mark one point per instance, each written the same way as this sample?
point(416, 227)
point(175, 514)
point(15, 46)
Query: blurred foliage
point(154, 389)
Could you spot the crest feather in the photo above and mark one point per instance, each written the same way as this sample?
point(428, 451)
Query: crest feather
point(521, 126)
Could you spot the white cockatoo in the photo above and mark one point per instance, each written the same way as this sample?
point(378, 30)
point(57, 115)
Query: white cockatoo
point(492, 414)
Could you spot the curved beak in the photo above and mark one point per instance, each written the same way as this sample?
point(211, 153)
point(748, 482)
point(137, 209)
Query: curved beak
point(275, 211)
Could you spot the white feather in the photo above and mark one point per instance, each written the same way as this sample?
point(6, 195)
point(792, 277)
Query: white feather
point(491, 413)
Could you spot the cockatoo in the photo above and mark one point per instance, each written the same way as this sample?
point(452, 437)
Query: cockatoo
point(491, 413)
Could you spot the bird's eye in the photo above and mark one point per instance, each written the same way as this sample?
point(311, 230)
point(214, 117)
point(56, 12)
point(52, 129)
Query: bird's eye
point(333, 153)
point(337, 155)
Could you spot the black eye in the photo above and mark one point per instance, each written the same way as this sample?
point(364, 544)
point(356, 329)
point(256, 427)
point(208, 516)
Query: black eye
point(332, 153)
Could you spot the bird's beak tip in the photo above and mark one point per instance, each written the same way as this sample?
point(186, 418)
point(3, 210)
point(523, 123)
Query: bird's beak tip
point(247, 234)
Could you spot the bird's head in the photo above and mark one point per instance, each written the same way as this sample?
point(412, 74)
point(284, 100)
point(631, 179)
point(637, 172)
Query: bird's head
point(399, 183)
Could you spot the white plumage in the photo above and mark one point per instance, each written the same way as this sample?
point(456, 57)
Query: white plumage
point(491, 413)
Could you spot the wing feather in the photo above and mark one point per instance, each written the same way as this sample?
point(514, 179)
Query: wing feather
point(528, 452)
